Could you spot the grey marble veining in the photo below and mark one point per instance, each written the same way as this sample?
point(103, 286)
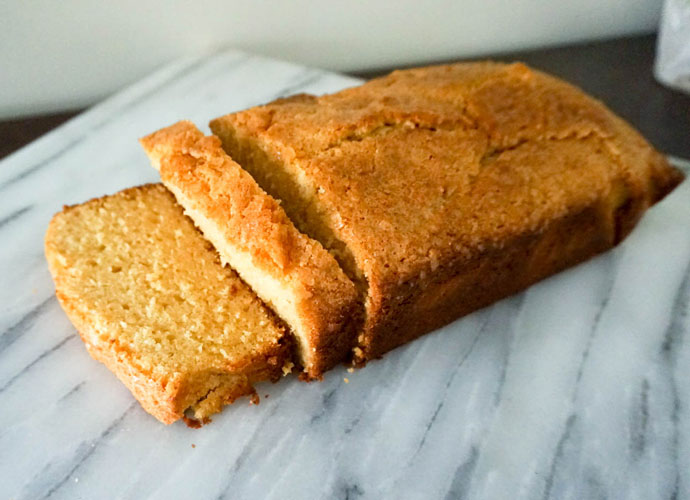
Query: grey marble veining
point(577, 388)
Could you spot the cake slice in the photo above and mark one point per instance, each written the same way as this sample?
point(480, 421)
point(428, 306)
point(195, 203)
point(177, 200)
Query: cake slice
point(440, 190)
point(151, 301)
point(291, 272)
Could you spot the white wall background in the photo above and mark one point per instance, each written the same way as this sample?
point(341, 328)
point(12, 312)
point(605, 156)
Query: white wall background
point(61, 54)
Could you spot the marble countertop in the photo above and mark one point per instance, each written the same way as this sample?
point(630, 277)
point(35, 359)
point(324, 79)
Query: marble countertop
point(577, 388)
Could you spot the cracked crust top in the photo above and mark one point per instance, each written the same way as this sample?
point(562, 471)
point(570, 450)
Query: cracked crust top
point(424, 167)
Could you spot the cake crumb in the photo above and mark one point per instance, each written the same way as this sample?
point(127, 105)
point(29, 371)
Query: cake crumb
point(287, 368)
point(346, 380)
point(193, 445)
point(350, 370)
point(254, 399)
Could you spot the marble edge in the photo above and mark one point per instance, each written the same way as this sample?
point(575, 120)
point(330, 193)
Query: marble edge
point(681, 163)
point(22, 162)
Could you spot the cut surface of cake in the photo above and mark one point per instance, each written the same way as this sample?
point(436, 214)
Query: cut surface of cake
point(151, 301)
point(443, 189)
point(294, 274)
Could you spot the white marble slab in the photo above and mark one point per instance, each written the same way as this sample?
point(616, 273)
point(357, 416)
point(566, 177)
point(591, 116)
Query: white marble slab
point(577, 388)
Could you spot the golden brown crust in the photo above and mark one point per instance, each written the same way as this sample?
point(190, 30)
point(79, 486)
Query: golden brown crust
point(241, 219)
point(493, 274)
point(424, 180)
point(165, 389)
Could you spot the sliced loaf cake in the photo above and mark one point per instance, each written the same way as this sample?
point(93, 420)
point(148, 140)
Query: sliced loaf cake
point(291, 272)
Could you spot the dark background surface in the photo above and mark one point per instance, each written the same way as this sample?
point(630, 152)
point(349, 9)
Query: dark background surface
point(618, 72)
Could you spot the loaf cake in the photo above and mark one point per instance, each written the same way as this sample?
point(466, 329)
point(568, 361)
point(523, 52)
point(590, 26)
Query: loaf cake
point(291, 272)
point(440, 190)
point(151, 300)
point(362, 219)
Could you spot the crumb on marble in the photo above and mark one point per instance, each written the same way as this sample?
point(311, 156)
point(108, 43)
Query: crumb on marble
point(287, 368)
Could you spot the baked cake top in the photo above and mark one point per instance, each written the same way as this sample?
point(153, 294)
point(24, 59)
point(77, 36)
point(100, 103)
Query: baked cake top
point(430, 164)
